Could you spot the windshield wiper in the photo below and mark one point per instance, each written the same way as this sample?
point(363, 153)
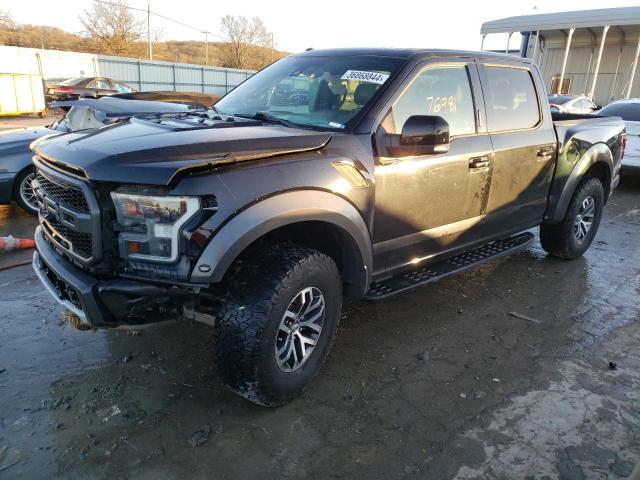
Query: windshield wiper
point(268, 118)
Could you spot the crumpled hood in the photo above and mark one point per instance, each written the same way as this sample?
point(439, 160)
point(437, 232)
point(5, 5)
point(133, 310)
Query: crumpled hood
point(154, 150)
point(17, 141)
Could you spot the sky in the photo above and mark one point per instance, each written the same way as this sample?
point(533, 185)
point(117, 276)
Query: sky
point(298, 25)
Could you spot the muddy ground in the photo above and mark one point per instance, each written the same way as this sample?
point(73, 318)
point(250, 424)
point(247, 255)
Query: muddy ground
point(442, 382)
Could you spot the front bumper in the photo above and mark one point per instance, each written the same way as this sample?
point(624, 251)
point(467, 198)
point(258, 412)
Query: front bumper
point(104, 303)
point(6, 187)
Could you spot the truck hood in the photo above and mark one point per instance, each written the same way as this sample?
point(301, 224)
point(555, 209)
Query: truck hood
point(156, 149)
point(17, 141)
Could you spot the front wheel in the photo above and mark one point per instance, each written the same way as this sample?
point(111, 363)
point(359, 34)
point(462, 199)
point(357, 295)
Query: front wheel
point(23, 193)
point(572, 237)
point(277, 323)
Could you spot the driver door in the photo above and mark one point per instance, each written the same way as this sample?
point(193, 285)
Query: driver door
point(432, 204)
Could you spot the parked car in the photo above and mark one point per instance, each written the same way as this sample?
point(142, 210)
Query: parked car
point(571, 104)
point(16, 169)
point(402, 167)
point(74, 88)
point(629, 111)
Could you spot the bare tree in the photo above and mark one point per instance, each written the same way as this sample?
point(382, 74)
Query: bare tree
point(6, 22)
point(113, 27)
point(243, 38)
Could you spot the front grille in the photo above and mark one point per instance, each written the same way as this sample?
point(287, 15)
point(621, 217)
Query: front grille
point(69, 214)
point(76, 242)
point(67, 195)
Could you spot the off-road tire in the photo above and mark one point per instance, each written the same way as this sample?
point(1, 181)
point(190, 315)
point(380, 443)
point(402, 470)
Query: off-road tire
point(259, 291)
point(17, 196)
point(559, 239)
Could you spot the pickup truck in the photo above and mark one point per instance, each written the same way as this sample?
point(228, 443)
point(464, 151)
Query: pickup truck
point(328, 177)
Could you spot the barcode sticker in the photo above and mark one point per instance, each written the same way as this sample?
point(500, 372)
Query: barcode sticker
point(370, 77)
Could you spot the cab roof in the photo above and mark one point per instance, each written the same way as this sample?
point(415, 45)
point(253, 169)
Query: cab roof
point(409, 53)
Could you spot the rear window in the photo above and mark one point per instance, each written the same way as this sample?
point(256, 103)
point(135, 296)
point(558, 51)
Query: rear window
point(512, 102)
point(628, 111)
point(73, 81)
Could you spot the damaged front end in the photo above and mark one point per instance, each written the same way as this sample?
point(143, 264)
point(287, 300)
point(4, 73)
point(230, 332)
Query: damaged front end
point(106, 303)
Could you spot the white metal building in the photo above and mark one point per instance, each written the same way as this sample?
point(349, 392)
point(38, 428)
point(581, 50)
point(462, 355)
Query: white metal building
point(592, 52)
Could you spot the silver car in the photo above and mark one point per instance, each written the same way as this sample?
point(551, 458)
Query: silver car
point(629, 111)
point(571, 104)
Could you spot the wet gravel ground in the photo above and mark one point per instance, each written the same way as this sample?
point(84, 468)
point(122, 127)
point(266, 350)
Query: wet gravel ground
point(443, 382)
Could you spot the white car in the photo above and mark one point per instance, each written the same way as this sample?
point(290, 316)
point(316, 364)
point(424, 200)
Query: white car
point(629, 110)
point(571, 104)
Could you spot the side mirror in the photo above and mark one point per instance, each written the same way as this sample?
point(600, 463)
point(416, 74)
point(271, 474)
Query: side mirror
point(427, 130)
point(421, 135)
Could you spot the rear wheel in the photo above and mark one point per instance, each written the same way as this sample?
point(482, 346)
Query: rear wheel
point(23, 192)
point(277, 323)
point(572, 237)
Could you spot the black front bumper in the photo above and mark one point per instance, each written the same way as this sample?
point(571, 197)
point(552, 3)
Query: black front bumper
point(103, 303)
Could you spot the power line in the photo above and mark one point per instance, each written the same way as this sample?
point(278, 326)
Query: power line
point(164, 17)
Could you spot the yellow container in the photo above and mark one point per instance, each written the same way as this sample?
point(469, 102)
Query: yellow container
point(21, 94)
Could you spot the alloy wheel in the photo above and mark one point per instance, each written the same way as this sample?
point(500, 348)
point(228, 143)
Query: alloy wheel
point(27, 193)
point(300, 329)
point(584, 219)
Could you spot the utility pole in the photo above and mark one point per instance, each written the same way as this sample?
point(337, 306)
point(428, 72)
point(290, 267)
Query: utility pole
point(271, 47)
point(206, 48)
point(149, 31)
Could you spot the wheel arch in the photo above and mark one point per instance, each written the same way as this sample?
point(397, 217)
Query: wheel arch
point(596, 162)
point(311, 218)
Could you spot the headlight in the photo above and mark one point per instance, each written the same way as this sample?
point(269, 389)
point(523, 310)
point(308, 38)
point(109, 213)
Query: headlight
point(151, 225)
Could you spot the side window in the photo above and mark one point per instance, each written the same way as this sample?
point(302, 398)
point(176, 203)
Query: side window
point(121, 87)
point(512, 103)
point(586, 103)
point(100, 84)
point(442, 91)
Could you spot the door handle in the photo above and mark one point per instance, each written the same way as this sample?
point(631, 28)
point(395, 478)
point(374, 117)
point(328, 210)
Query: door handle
point(545, 153)
point(479, 162)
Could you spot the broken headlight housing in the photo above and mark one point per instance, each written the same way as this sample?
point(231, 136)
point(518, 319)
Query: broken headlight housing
point(151, 225)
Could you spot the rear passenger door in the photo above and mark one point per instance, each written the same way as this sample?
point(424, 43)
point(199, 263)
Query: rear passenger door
point(524, 146)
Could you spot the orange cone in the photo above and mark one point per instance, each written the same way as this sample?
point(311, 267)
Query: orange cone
point(11, 243)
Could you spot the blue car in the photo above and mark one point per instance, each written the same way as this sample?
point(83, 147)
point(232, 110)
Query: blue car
point(16, 170)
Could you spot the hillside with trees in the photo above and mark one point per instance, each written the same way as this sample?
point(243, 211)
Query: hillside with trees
point(114, 30)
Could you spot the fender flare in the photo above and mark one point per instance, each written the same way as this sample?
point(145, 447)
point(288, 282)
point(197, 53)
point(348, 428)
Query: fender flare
point(275, 212)
point(598, 153)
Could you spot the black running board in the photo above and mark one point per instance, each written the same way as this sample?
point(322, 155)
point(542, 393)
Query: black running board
point(461, 262)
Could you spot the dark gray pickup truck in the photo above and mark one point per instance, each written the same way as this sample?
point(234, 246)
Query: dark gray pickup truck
point(330, 176)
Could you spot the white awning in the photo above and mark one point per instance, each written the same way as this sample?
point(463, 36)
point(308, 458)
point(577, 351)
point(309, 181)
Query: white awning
point(564, 20)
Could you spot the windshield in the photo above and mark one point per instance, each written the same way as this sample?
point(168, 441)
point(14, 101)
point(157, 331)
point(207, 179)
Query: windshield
point(628, 111)
point(315, 92)
point(72, 81)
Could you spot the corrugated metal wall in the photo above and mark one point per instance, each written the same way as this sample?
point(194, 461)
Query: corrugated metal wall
point(156, 75)
point(581, 65)
point(140, 74)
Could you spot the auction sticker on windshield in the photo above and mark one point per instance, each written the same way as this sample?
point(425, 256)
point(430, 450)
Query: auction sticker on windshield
point(370, 77)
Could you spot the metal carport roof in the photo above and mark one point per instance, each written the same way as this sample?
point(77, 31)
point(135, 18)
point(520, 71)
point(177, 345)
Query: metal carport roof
point(564, 20)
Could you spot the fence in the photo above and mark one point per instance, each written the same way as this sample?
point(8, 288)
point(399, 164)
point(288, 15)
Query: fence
point(147, 75)
point(140, 74)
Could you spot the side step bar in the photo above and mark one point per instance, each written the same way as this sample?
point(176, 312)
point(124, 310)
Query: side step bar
point(461, 262)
